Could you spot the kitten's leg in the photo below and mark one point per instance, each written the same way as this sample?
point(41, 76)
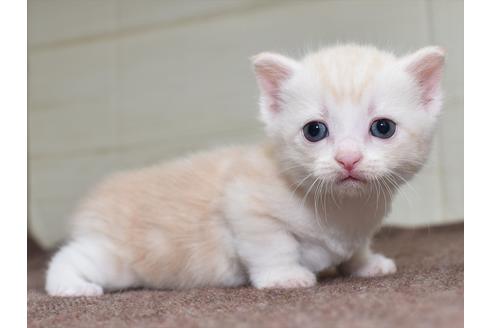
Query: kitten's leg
point(365, 263)
point(272, 259)
point(83, 268)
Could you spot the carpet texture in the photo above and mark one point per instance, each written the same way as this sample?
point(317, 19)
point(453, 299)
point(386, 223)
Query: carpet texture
point(427, 291)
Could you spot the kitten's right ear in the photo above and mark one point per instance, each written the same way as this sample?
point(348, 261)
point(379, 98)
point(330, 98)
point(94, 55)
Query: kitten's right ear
point(271, 71)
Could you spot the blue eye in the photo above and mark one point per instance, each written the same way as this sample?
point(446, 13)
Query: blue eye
point(315, 131)
point(383, 128)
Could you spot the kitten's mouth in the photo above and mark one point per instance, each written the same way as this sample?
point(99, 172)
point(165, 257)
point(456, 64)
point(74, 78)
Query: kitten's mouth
point(351, 179)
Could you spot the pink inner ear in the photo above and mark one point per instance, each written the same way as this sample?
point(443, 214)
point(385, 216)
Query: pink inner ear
point(428, 71)
point(270, 76)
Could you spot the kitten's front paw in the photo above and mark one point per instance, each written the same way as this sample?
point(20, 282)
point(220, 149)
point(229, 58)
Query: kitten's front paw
point(75, 290)
point(376, 265)
point(289, 277)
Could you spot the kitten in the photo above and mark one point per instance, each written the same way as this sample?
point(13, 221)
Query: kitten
point(346, 126)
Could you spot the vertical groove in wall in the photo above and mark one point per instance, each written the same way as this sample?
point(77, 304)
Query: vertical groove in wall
point(114, 80)
point(440, 156)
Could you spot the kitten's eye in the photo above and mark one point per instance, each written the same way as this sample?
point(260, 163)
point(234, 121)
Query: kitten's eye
point(315, 131)
point(383, 128)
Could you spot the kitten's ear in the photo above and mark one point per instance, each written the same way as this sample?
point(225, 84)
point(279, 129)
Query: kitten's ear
point(426, 66)
point(271, 71)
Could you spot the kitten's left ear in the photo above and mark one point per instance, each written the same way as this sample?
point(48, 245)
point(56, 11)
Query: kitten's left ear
point(272, 70)
point(426, 67)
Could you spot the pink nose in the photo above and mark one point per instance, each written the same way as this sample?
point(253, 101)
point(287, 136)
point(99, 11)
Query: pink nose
point(348, 159)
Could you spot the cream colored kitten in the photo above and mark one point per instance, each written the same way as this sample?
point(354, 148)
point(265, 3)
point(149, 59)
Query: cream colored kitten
point(345, 125)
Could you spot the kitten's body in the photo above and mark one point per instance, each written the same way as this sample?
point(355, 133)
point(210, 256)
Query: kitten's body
point(259, 214)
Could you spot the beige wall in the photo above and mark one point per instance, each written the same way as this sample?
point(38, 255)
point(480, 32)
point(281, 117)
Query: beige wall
point(116, 84)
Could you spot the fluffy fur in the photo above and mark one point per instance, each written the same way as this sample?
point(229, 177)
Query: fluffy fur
point(275, 214)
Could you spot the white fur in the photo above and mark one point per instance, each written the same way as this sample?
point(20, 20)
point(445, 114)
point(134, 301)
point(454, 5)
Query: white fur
point(81, 267)
point(272, 215)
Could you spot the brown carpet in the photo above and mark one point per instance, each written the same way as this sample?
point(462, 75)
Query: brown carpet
point(427, 291)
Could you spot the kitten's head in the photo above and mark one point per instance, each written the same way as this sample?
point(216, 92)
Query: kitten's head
point(351, 116)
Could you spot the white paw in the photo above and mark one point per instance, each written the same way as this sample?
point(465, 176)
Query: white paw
point(79, 289)
point(290, 277)
point(375, 266)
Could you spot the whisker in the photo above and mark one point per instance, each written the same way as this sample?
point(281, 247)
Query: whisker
point(316, 194)
point(299, 184)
